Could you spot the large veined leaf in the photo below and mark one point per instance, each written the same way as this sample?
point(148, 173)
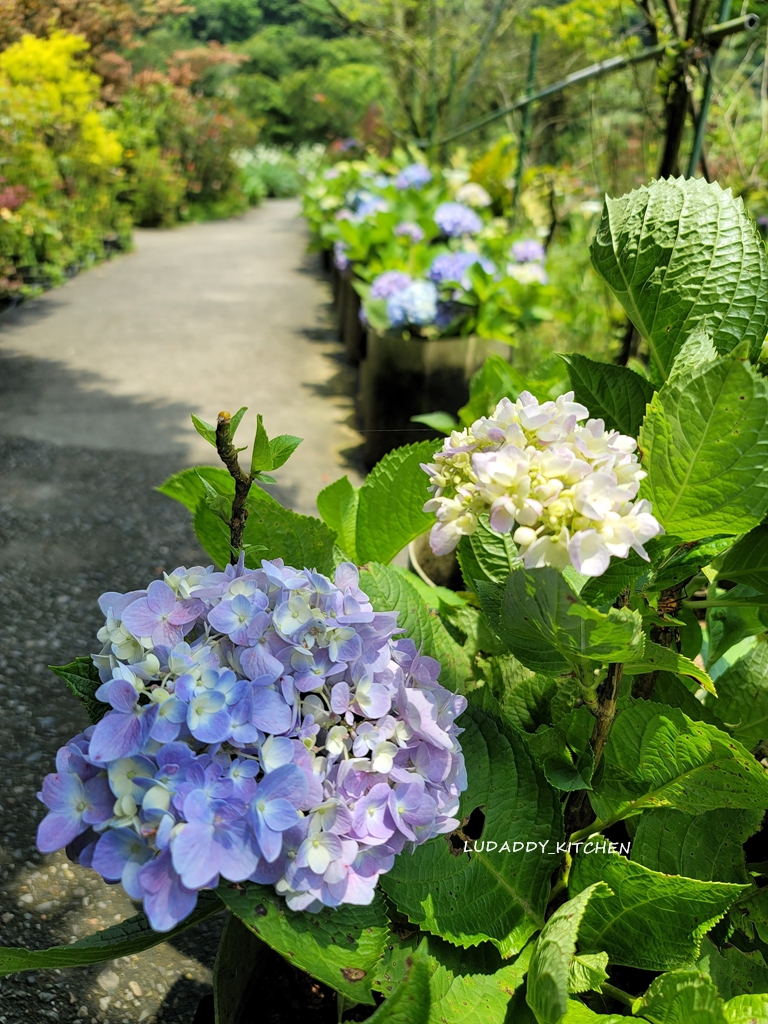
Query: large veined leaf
point(612, 393)
point(672, 563)
point(656, 658)
point(389, 513)
point(390, 590)
point(82, 679)
point(706, 846)
point(339, 946)
point(751, 916)
point(543, 622)
point(747, 1009)
point(486, 555)
point(747, 560)
point(657, 757)
point(495, 895)
point(466, 986)
point(587, 972)
point(705, 449)
point(672, 914)
point(745, 614)
point(410, 1002)
point(276, 532)
point(548, 976)
point(735, 973)
point(563, 750)
point(682, 997)
point(337, 504)
point(680, 250)
point(131, 936)
point(187, 486)
point(742, 696)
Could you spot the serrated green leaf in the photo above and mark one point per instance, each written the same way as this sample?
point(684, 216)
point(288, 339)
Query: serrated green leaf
point(673, 562)
point(742, 696)
point(219, 504)
point(410, 1002)
point(261, 457)
point(389, 514)
point(672, 690)
point(212, 533)
point(337, 504)
point(682, 997)
point(587, 972)
point(281, 448)
point(564, 753)
point(547, 988)
point(733, 972)
point(276, 532)
point(578, 1013)
point(495, 896)
point(729, 624)
point(747, 561)
point(390, 590)
point(705, 449)
point(466, 986)
point(486, 555)
point(339, 946)
point(525, 699)
point(697, 350)
point(187, 485)
point(235, 421)
point(747, 1009)
point(124, 939)
point(205, 430)
point(610, 392)
point(656, 658)
point(620, 575)
point(442, 422)
point(676, 251)
point(544, 623)
point(657, 757)
point(671, 914)
point(82, 679)
point(751, 915)
point(707, 846)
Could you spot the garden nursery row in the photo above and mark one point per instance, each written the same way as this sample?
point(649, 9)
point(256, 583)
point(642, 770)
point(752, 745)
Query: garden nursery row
point(524, 779)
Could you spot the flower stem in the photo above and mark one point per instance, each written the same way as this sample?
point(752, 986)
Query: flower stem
point(228, 455)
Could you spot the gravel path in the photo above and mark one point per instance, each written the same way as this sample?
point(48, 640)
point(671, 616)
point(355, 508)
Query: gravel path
point(97, 382)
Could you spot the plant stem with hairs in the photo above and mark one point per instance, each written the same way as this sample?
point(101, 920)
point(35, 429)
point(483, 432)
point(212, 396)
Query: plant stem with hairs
point(228, 455)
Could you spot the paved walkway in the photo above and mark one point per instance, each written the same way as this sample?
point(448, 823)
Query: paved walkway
point(97, 382)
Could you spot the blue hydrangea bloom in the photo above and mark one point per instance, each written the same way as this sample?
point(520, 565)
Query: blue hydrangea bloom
point(410, 229)
point(260, 724)
point(416, 304)
point(527, 250)
point(453, 266)
point(340, 258)
point(413, 176)
point(389, 283)
point(456, 219)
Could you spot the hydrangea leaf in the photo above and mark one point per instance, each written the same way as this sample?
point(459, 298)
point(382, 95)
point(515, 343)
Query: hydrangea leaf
point(682, 997)
point(486, 555)
point(124, 939)
point(705, 448)
point(389, 514)
point(672, 563)
point(742, 696)
point(706, 846)
point(410, 1002)
point(612, 393)
point(389, 589)
point(656, 658)
point(735, 973)
point(543, 622)
point(620, 574)
point(697, 350)
point(657, 757)
point(442, 422)
point(339, 946)
point(587, 972)
point(747, 1009)
point(671, 913)
point(729, 624)
point(187, 485)
point(564, 753)
point(747, 561)
point(677, 251)
point(496, 896)
point(212, 533)
point(548, 977)
point(276, 532)
point(261, 456)
point(750, 915)
point(82, 679)
point(281, 448)
point(205, 430)
point(337, 504)
point(466, 986)
point(578, 1013)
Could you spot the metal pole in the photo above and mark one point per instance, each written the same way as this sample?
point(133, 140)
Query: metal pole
point(706, 97)
point(603, 67)
point(525, 128)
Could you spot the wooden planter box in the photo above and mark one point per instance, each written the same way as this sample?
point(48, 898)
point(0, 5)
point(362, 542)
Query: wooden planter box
point(400, 378)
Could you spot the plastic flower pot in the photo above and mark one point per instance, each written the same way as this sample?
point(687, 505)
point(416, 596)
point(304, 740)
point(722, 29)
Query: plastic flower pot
point(401, 377)
point(436, 570)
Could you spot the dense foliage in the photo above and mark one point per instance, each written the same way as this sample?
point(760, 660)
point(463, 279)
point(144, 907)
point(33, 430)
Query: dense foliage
point(608, 859)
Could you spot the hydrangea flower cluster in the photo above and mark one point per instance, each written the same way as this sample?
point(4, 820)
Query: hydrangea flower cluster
point(527, 264)
point(566, 488)
point(389, 283)
point(473, 194)
point(415, 304)
point(413, 176)
point(456, 219)
point(340, 259)
point(453, 266)
point(263, 724)
point(409, 229)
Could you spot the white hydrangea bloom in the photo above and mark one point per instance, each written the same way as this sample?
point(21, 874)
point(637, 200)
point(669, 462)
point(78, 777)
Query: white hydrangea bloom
point(566, 490)
point(473, 194)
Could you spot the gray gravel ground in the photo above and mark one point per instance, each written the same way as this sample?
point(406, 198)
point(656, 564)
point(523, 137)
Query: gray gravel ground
point(80, 453)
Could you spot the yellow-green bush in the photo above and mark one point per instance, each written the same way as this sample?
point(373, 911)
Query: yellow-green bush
point(59, 165)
